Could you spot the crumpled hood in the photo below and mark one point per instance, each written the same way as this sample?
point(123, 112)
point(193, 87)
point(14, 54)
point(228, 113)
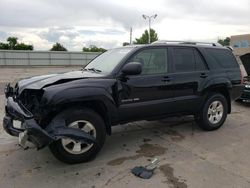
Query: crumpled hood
point(39, 82)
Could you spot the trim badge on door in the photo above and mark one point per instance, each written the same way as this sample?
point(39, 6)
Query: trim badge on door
point(130, 100)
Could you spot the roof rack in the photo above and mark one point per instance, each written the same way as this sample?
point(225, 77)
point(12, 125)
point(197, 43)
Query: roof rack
point(185, 42)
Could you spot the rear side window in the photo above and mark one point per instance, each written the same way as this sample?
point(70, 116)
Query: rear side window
point(188, 60)
point(223, 57)
point(184, 60)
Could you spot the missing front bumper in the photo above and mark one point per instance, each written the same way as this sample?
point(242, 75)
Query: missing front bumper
point(23, 138)
point(33, 132)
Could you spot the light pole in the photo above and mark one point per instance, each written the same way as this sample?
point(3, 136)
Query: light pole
point(149, 23)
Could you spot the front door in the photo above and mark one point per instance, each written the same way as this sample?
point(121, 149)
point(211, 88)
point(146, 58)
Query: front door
point(148, 94)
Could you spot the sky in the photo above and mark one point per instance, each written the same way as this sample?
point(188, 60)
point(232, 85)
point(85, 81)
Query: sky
point(107, 23)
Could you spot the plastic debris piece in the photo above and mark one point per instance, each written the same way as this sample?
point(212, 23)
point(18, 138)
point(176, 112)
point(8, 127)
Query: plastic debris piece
point(145, 172)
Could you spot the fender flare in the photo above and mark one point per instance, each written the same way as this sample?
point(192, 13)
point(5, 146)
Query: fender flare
point(81, 96)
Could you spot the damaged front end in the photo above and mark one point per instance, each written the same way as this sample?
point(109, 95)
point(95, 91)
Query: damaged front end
point(30, 130)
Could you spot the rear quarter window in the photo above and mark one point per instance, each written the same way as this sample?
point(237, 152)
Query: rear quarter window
point(223, 57)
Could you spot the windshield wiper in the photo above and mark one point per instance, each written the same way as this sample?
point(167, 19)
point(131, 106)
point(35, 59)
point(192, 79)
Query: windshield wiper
point(93, 69)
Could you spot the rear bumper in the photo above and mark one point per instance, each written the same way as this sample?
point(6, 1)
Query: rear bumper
point(14, 110)
point(245, 96)
point(237, 91)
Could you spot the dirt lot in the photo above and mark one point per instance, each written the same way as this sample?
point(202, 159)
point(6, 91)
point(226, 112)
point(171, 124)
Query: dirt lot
point(188, 156)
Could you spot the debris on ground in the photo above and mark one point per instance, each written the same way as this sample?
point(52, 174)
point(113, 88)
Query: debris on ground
point(146, 172)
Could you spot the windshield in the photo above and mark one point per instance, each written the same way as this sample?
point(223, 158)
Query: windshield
point(107, 61)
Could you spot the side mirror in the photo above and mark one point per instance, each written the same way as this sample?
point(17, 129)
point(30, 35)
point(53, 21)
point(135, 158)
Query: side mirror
point(132, 68)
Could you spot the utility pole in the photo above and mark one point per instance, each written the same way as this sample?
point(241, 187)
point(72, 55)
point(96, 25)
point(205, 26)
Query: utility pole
point(149, 23)
point(130, 41)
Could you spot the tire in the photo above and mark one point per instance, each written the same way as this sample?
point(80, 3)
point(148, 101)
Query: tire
point(86, 118)
point(211, 118)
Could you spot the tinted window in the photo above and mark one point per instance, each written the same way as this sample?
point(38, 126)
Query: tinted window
point(154, 61)
point(184, 60)
point(241, 44)
point(244, 44)
point(199, 62)
point(223, 57)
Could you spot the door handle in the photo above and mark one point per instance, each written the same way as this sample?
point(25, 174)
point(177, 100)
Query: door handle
point(166, 79)
point(203, 75)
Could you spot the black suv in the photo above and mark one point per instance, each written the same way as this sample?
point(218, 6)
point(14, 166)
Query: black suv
point(72, 112)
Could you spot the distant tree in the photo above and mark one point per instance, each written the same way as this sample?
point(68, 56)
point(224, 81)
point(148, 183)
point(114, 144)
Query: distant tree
point(58, 47)
point(14, 45)
point(224, 42)
point(22, 46)
point(144, 38)
point(93, 48)
point(125, 44)
point(12, 42)
point(4, 46)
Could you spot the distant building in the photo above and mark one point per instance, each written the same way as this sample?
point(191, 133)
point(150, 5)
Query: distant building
point(241, 47)
point(241, 44)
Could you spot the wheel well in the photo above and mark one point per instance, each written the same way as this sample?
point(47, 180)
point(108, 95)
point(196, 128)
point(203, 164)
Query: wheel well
point(225, 93)
point(101, 109)
point(97, 106)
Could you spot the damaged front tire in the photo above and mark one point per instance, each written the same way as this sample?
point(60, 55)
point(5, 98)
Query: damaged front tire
point(71, 151)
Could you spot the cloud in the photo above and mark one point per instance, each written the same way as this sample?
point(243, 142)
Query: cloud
point(53, 34)
point(106, 23)
point(220, 12)
point(104, 32)
point(3, 35)
point(47, 13)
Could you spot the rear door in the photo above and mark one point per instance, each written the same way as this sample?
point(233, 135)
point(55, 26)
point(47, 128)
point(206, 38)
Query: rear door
point(190, 72)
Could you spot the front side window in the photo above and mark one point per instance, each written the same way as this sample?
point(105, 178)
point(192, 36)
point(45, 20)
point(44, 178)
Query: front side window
point(154, 61)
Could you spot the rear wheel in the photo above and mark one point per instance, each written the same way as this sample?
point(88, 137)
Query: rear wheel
point(71, 151)
point(214, 112)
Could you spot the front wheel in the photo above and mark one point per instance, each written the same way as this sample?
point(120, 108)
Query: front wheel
point(214, 112)
point(70, 151)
